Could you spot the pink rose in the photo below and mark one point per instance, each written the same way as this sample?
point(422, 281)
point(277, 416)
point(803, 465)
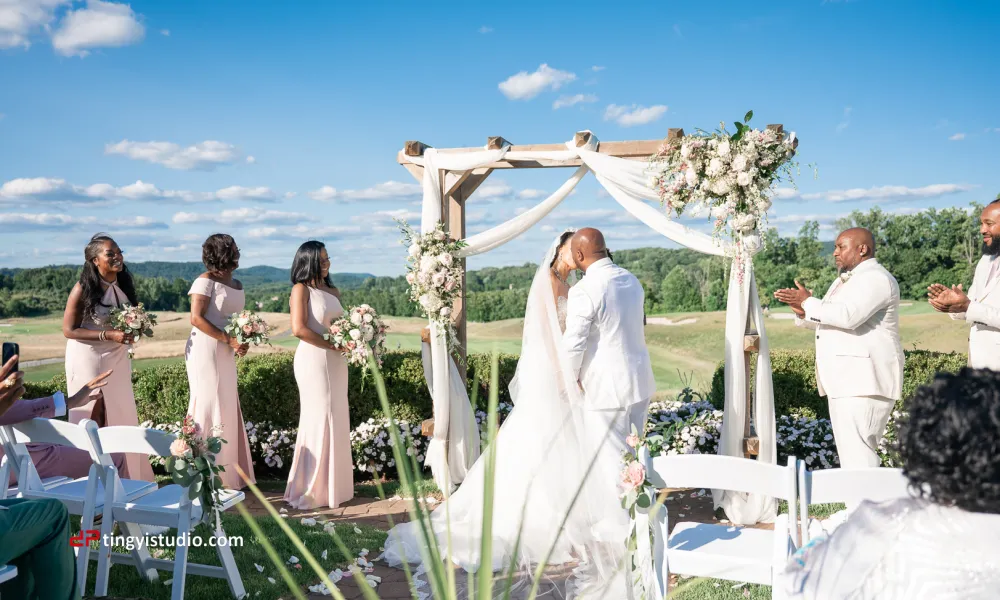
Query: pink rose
point(633, 476)
point(179, 448)
point(632, 440)
point(247, 329)
point(450, 285)
point(410, 278)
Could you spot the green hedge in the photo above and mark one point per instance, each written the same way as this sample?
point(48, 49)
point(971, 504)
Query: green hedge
point(794, 376)
point(268, 391)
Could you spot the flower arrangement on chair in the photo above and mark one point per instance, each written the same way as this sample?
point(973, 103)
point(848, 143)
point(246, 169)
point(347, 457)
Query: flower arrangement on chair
point(192, 465)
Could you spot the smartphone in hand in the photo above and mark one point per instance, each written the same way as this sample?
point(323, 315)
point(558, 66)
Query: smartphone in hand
point(10, 349)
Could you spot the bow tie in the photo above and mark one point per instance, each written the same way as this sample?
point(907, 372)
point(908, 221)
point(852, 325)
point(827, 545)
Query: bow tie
point(845, 276)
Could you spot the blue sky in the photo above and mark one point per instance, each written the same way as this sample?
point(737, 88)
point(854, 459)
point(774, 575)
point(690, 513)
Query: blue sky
point(240, 116)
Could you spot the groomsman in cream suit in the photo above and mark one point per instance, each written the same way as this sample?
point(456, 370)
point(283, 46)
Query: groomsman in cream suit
point(981, 306)
point(859, 357)
point(606, 343)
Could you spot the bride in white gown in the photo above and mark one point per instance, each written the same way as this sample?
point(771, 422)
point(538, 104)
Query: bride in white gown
point(542, 459)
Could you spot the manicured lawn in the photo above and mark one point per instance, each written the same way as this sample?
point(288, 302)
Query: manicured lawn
point(392, 488)
point(126, 583)
point(46, 372)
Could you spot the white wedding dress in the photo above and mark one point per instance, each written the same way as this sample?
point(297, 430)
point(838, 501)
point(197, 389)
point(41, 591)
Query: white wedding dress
point(541, 462)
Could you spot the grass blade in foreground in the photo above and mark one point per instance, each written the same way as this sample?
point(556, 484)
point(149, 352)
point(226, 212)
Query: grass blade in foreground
point(484, 586)
point(269, 549)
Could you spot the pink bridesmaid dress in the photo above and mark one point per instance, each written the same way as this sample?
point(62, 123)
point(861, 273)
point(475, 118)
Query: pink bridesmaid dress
point(211, 368)
point(87, 359)
point(322, 471)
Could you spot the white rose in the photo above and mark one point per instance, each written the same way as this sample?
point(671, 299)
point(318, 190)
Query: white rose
point(355, 318)
point(355, 334)
point(685, 151)
point(438, 279)
point(744, 179)
point(368, 318)
point(428, 262)
point(410, 278)
point(720, 187)
point(425, 301)
point(744, 223)
point(715, 166)
point(691, 177)
point(414, 250)
point(446, 259)
point(764, 204)
point(740, 163)
point(369, 333)
point(445, 311)
point(242, 321)
point(724, 148)
point(439, 235)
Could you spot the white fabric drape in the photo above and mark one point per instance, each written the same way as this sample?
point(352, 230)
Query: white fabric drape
point(628, 183)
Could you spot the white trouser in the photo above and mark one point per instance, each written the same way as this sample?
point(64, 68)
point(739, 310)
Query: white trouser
point(858, 426)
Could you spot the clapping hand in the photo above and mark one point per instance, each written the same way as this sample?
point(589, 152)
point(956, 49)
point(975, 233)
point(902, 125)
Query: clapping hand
point(90, 391)
point(948, 300)
point(794, 297)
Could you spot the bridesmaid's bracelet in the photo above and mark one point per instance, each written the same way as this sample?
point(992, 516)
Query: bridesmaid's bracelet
point(104, 335)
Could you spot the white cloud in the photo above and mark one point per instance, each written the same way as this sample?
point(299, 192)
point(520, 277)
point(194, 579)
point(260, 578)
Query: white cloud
point(845, 122)
point(597, 69)
point(485, 29)
point(530, 193)
point(567, 101)
point(381, 191)
point(55, 191)
point(20, 222)
point(242, 216)
point(957, 137)
point(251, 160)
point(51, 190)
point(20, 19)
point(386, 218)
point(302, 233)
point(246, 194)
point(493, 190)
point(629, 116)
point(525, 86)
point(888, 193)
point(165, 32)
point(99, 25)
point(203, 156)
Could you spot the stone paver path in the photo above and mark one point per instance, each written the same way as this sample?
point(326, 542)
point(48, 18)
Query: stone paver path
point(685, 505)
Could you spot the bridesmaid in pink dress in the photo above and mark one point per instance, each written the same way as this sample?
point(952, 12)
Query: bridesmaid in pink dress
point(322, 471)
point(210, 356)
point(92, 348)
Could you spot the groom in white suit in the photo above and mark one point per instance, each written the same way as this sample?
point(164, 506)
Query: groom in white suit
point(859, 356)
point(606, 343)
point(981, 306)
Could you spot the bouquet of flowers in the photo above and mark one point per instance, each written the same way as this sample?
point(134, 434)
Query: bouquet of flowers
point(435, 275)
point(192, 465)
point(731, 175)
point(248, 328)
point(358, 334)
point(133, 321)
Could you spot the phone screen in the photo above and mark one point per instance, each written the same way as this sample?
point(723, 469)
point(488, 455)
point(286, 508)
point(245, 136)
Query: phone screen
point(9, 350)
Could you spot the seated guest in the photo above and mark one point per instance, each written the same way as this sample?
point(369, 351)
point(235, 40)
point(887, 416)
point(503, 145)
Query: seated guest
point(34, 534)
point(944, 543)
point(50, 460)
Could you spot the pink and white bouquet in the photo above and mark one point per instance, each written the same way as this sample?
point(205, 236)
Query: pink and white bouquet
point(730, 175)
point(133, 321)
point(248, 328)
point(435, 274)
point(192, 465)
point(359, 334)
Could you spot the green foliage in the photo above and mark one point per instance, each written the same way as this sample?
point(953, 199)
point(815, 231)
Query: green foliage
point(680, 291)
point(794, 377)
point(268, 392)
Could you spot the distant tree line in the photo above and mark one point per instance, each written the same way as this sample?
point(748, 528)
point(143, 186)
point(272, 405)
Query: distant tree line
point(919, 249)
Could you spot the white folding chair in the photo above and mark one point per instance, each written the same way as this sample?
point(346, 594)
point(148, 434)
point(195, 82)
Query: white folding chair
point(169, 506)
point(719, 551)
point(850, 486)
point(8, 491)
point(83, 496)
point(7, 572)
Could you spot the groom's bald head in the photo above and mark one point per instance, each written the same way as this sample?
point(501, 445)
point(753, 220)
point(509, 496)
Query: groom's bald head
point(588, 247)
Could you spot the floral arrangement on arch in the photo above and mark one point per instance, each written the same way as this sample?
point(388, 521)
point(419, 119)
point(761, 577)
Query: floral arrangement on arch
point(731, 175)
point(133, 321)
point(435, 274)
point(192, 465)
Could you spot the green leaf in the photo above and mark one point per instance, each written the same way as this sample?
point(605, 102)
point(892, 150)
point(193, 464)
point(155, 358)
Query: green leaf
point(200, 463)
point(193, 493)
point(643, 501)
point(748, 116)
point(170, 463)
point(180, 464)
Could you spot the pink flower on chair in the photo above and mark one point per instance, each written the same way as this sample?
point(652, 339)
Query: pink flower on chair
point(179, 448)
point(632, 440)
point(633, 476)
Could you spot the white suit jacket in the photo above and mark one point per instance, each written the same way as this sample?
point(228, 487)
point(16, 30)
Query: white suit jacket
point(605, 340)
point(858, 351)
point(984, 314)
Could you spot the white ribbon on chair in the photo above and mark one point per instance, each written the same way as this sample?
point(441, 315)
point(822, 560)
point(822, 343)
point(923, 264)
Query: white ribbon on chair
point(628, 183)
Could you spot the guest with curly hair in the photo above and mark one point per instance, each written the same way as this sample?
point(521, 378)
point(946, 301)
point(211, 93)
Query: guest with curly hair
point(942, 543)
point(211, 356)
point(93, 347)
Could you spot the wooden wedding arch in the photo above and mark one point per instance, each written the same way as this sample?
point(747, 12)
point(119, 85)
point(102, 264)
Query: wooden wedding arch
point(457, 188)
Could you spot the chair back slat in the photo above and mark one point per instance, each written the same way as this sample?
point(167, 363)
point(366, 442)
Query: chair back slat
point(851, 486)
point(52, 431)
point(138, 440)
point(722, 473)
